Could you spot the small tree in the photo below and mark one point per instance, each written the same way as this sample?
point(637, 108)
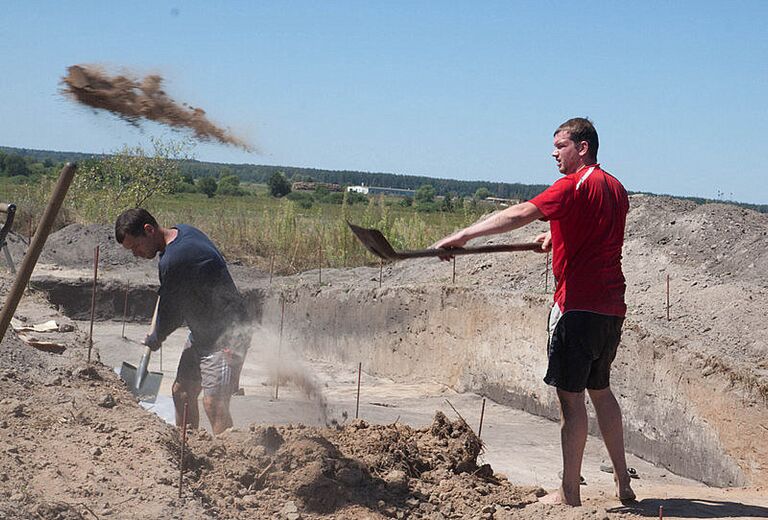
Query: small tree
point(230, 185)
point(278, 185)
point(482, 193)
point(127, 178)
point(207, 186)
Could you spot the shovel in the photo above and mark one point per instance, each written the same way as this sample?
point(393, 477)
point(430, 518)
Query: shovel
point(143, 384)
point(375, 242)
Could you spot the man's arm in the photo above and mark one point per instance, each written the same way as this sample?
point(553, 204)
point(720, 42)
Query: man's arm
point(511, 218)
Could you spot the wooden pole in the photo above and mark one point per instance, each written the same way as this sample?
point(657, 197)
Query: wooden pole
point(35, 247)
point(482, 413)
point(279, 346)
point(183, 445)
point(93, 299)
point(359, 374)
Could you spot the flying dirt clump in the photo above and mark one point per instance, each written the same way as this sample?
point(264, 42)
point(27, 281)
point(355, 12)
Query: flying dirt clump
point(134, 99)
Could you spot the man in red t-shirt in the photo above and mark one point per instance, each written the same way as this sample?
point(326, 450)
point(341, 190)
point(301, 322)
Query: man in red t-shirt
point(587, 210)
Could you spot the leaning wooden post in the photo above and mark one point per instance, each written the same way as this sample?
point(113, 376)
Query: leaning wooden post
point(93, 299)
point(35, 247)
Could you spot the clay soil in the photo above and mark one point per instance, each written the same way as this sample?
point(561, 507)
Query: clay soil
point(75, 444)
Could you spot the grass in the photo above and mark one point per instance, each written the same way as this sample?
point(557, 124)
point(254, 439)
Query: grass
point(260, 230)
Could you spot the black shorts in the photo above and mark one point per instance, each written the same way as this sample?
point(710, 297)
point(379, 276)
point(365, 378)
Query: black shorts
point(582, 347)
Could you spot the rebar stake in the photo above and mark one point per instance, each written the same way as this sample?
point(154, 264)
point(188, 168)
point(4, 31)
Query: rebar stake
point(453, 280)
point(320, 266)
point(271, 268)
point(661, 512)
point(357, 405)
point(546, 274)
point(667, 297)
point(125, 312)
point(381, 271)
point(482, 413)
point(183, 444)
point(93, 299)
point(279, 346)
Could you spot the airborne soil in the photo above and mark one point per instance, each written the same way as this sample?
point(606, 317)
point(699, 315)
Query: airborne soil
point(75, 444)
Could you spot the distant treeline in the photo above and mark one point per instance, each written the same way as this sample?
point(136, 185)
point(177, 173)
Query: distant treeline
point(261, 173)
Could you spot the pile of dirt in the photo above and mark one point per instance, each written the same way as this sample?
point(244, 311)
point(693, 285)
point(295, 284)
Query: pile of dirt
point(134, 99)
point(73, 246)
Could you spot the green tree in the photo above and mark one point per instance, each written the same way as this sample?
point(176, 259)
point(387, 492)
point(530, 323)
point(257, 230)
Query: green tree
point(425, 193)
point(278, 185)
point(207, 186)
point(230, 185)
point(447, 203)
point(16, 165)
point(482, 193)
point(127, 178)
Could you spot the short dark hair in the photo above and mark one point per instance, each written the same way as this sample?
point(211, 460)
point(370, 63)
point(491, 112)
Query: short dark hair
point(581, 129)
point(131, 222)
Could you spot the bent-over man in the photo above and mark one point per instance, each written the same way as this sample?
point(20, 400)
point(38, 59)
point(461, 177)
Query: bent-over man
point(197, 289)
point(587, 210)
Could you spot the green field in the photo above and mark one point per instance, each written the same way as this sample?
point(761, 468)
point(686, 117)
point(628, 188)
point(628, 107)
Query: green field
point(260, 230)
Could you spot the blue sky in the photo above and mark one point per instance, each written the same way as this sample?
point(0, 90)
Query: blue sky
point(678, 90)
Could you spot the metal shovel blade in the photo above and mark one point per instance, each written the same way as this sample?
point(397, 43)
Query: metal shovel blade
point(375, 242)
point(149, 385)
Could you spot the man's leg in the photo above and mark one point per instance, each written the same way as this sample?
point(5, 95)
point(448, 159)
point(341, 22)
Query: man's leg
point(217, 408)
point(184, 392)
point(573, 438)
point(609, 419)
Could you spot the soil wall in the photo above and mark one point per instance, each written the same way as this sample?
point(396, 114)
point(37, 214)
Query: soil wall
point(494, 342)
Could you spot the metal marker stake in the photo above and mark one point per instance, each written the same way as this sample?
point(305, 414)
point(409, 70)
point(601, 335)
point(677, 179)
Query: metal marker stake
point(93, 299)
point(279, 346)
point(482, 413)
point(546, 274)
point(381, 271)
point(183, 445)
point(271, 268)
point(320, 266)
point(125, 312)
point(667, 297)
point(359, 373)
point(454, 270)
point(661, 512)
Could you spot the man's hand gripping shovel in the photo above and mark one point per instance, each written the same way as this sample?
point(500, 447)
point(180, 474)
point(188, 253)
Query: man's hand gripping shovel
point(143, 384)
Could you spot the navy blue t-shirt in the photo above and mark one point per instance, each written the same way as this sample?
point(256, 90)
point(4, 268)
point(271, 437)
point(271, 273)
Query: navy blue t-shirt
point(196, 288)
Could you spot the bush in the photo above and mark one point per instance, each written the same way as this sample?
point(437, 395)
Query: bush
point(302, 198)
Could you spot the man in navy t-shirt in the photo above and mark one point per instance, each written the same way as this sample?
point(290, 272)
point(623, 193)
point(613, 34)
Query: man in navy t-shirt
point(197, 289)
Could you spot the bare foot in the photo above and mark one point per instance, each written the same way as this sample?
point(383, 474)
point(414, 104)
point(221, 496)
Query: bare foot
point(557, 498)
point(624, 491)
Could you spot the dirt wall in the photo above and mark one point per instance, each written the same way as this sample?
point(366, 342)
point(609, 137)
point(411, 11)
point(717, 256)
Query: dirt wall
point(493, 343)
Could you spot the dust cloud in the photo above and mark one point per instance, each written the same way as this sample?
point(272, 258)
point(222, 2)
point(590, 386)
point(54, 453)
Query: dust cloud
point(134, 99)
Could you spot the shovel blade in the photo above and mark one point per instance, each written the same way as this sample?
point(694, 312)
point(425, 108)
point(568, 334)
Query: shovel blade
point(150, 385)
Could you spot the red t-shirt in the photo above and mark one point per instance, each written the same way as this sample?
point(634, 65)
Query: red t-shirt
point(587, 211)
